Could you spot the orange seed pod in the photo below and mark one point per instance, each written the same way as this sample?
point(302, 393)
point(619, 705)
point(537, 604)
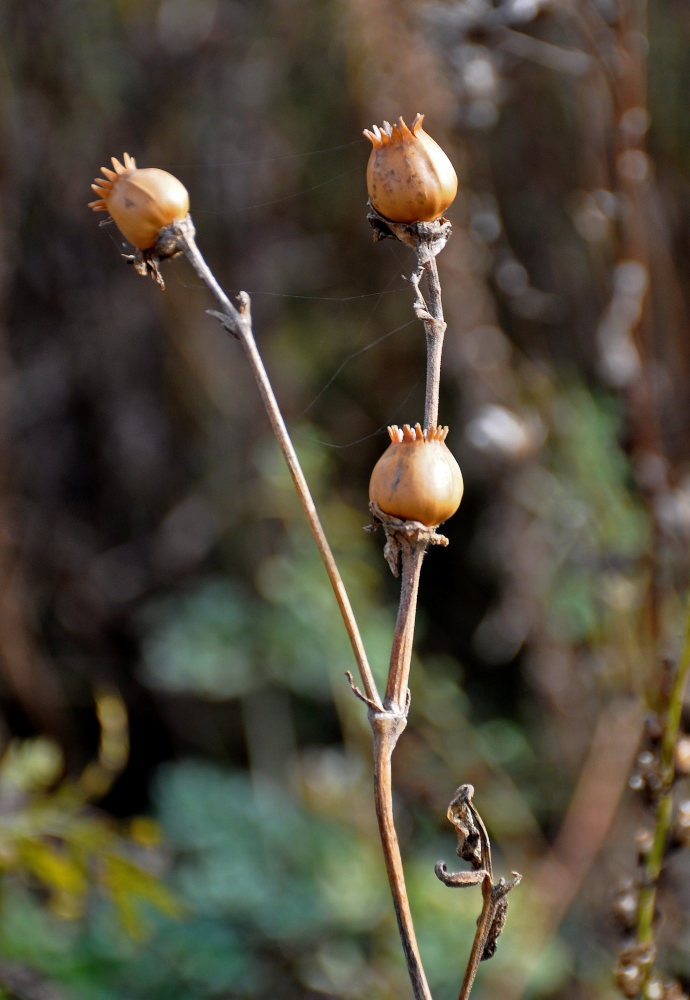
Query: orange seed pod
point(141, 202)
point(409, 177)
point(417, 477)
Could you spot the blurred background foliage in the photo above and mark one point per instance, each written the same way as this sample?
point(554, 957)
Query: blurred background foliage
point(185, 793)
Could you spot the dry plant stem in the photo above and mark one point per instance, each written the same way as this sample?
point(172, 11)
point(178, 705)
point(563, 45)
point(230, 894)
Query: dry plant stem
point(427, 239)
point(238, 322)
point(434, 328)
point(387, 727)
point(664, 807)
point(486, 918)
point(389, 723)
point(431, 314)
point(397, 691)
point(493, 911)
point(474, 846)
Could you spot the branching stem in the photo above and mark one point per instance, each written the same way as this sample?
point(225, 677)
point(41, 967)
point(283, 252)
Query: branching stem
point(389, 718)
point(406, 544)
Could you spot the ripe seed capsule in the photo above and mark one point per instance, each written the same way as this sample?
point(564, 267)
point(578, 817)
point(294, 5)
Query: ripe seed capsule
point(409, 177)
point(140, 201)
point(417, 477)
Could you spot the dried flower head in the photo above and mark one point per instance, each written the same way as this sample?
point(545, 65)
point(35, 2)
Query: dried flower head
point(140, 201)
point(417, 477)
point(409, 177)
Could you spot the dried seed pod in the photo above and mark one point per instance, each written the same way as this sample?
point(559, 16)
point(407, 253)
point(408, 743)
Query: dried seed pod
point(409, 177)
point(140, 201)
point(417, 478)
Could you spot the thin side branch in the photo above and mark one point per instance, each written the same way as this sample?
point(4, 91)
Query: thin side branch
point(237, 320)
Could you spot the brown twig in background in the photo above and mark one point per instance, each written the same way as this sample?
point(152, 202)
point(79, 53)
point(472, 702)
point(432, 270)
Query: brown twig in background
point(655, 778)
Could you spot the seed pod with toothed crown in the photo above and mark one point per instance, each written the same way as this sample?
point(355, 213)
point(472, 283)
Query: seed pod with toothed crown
point(409, 177)
point(417, 477)
point(140, 201)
